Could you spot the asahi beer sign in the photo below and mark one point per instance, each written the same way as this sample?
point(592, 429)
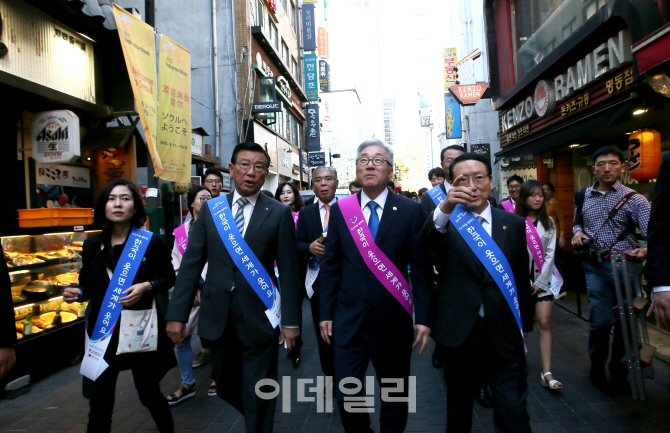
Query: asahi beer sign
point(606, 57)
point(55, 136)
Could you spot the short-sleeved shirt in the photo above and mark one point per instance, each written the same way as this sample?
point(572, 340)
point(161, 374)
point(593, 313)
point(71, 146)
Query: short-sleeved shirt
point(605, 232)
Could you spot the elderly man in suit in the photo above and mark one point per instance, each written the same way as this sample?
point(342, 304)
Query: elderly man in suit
point(233, 314)
point(365, 300)
point(659, 245)
point(312, 225)
point(473, 316)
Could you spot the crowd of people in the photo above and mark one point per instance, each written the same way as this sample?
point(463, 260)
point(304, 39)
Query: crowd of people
point(383, 272)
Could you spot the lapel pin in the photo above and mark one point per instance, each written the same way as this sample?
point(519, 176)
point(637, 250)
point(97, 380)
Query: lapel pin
point(504, 227)
point(266, 208)
point(395, 208)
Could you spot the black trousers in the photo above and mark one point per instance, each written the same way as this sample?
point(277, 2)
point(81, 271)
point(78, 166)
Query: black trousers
point(147, 385)
point(352, 360)
point(238, 363)
point(326, 355)
point(463, 371)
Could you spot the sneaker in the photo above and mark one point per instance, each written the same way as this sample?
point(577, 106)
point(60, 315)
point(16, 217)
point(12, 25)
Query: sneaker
point(212, 389)
point(183, 393)
point(202, 359)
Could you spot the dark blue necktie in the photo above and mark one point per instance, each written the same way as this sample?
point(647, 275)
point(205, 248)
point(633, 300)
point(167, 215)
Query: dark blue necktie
point(373, 222)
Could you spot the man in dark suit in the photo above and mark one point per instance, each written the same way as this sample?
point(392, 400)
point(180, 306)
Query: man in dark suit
point(447, 155)
point(470, 313)
point(312, 223)
point(7, 329)
point(232, 315)
point(658, 255)
point(359, 315)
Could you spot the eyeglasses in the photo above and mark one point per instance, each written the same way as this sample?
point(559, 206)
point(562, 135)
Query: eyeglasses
point(465, 181)
point(245, 166)
point(375, 161)
point(514, 187)
point(213, 182)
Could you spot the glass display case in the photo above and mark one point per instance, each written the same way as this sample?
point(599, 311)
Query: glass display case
point(41, 266)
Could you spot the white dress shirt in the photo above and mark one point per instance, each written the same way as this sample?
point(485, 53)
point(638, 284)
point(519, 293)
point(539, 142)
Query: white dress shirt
point(248, 209)
point(380, 200)
point(440, 219)
point(322, 210)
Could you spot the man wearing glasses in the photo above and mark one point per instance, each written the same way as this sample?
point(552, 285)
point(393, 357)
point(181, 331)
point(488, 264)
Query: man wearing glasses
point(214, 181)
point(365, 301)
point(514, 188)
point(241, 235)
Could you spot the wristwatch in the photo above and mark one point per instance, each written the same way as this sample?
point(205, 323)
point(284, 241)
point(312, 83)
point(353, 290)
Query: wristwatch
point(151, 285)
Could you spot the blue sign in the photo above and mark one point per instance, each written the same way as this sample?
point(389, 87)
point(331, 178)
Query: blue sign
point(308, 27)
point(311, 77)
point(452, 110)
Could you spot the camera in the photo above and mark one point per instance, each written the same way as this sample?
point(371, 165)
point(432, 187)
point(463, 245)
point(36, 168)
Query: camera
point(590, 253)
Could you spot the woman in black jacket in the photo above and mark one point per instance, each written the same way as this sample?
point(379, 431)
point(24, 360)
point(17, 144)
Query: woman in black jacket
point(119, 209)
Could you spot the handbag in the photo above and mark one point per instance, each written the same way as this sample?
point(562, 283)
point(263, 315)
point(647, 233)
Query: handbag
point(138, 331)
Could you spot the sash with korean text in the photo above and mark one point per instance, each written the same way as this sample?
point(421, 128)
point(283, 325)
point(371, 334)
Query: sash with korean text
point(437, 195)
point(93, 364)
point(489, 254)
point(508, 206)
point(380, 265)
point(245, 259)
point(180, 238)
point(537, 251)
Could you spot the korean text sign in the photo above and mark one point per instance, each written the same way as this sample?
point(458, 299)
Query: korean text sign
point(313, 128)
point(311, 77)
point(448, 63)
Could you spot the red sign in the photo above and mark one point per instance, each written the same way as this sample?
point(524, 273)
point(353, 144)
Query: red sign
point(273, 5)
point(468, 94)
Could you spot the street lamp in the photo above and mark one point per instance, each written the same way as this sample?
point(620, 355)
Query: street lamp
point(333, 155)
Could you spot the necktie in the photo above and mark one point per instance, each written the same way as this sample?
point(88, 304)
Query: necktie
point(481, 220)
point(239, 216)
point(327, 217)
point(373, 223)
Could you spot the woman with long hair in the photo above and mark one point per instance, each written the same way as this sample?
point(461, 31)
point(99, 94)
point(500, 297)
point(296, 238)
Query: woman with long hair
point(120, 214)
point(196, 197)
point(541, 237)
point(289, 194)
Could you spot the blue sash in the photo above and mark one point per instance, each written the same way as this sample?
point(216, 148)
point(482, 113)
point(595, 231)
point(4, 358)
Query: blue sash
point(93, 364)
point(316, 261)
point(437, 195)
point(489, 254)
point(245, 259)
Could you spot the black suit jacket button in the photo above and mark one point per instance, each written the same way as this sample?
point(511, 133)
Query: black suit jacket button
point(369, 274)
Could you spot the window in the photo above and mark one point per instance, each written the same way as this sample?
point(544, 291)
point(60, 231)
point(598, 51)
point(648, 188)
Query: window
point(294, 67)
point(257, 12)
point(539, 26)
point(273, 34)
point(284, 53)
point(291, 13)
point(284, 4)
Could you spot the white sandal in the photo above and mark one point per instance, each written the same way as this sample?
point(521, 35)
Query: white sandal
point(552, 384)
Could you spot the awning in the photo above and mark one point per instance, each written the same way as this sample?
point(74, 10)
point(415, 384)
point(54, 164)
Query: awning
point(104, 138)
point(91, 17)
point(653, 50)
point(576, 130)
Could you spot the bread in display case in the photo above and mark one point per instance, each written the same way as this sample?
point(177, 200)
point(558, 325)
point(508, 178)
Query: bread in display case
point(41, 266)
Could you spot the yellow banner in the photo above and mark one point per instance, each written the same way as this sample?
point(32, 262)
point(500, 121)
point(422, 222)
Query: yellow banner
point(448, 64)
point(174, 111)
point(139, 51)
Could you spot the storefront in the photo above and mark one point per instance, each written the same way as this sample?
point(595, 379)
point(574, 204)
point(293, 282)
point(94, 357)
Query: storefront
point(565, 82)
point(66, 130)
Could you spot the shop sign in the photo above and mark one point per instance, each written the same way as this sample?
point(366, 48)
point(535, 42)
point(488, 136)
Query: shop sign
point(308, 27)
point(62, 175)
point(226, 180)
point(452, 117)
point(313, 128)
point(323, 43)
point(617, 83)
point(266, 107)
point(55, 136)
point(196, 144)
point(324, 76)
point(448, 64)
point(576, 104)
point(606, 57)
point(518, 133)
point(311, 78)
point(272, 4)
point(483, 149)
point(284, 91)
point(425, 121)
point(469, 94)
point(317, 159)
point(261, 67)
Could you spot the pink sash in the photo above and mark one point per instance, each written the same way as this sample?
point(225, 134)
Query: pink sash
point(380, 265)
point(537, 251)
point(507, 204)
point(180, 238)
point(295, 219)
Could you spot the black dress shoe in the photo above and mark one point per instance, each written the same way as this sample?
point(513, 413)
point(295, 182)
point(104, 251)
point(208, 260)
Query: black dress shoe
point(294, 355)
point(438, 363)
point(599, 379)
point(484, 397)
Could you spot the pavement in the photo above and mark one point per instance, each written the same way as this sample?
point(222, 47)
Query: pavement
point(55, 404)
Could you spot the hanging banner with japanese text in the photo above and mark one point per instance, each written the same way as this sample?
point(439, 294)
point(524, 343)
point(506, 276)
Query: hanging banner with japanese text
point(139, 51)
point(448, 63)
point(313, 128)
point(174, 111)
point(311, 77)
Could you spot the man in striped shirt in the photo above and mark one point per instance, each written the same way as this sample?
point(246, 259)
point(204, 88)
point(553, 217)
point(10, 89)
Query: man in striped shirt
point(604, 232)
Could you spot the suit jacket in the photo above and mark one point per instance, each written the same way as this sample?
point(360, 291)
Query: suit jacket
point(271, 236)
point(349, 291)
point(464, 284)
point(659, 228)
point(7, 329)
point(428, 205)
point(309, 229)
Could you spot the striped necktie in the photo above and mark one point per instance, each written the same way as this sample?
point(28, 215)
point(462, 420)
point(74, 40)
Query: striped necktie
point(239, 215)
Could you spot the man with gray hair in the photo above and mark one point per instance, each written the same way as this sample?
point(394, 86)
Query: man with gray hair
point(366, 303)
point(310, 237)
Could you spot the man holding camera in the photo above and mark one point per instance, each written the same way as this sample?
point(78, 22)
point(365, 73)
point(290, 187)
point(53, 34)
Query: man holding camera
point(605, 220)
